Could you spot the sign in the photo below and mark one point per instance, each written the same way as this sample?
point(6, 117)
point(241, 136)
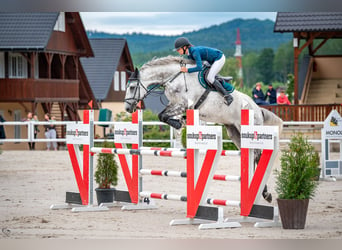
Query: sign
point(259, 137)
point(77, 133)
point(203, 137)
point(333, 126)
point(126, 132)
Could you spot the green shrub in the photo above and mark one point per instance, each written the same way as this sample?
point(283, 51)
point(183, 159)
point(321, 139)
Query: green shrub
point(106, 173)
point(299, 164)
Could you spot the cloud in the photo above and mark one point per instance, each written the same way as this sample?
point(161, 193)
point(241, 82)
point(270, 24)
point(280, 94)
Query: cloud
point(162, 23)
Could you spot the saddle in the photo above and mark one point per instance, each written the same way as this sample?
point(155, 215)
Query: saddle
point(202, 78)
point(225, 80)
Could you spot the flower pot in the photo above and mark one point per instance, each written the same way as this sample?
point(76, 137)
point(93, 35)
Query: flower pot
point(293, 213)
point(105, 195)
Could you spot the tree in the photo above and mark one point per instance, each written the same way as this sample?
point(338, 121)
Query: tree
point(230, 68)
point(249, 62)
point(283, 62)
point(265, 65)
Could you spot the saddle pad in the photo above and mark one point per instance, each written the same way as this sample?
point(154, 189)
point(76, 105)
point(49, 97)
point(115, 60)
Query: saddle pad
point(201, 78)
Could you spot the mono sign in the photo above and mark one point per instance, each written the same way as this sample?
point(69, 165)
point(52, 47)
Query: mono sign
point(259, 137)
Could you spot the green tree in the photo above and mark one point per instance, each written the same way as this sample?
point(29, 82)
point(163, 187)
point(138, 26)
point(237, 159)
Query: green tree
point(265, 65)
point(283, 62)
point(249, 62)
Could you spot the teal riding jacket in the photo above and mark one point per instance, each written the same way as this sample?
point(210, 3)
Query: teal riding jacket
point(200, 54)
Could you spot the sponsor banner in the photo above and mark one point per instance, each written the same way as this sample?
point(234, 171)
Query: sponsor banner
point(126, 132)
point(333, 126)
point(259, 137)
point(77, 133)
point(203, 137)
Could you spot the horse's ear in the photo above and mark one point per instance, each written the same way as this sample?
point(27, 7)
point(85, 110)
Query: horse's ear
point(136, 73)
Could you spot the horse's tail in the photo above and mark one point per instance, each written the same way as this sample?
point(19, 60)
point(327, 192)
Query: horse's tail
point(272, 119)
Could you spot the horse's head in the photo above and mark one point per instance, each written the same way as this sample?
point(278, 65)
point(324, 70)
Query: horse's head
point(135, 92)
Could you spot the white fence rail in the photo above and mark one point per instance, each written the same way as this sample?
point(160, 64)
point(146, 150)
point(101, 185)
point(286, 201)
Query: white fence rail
point(30, 129)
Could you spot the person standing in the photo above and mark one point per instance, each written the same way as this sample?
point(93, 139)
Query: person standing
point(29, 119)
point(50, 131)
point(2, 129)
point(258, 95)
point(36, 131)
point(271, 94)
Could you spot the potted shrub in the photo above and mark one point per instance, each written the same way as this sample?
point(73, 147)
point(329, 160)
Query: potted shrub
point(295, 181)
point(106, 176)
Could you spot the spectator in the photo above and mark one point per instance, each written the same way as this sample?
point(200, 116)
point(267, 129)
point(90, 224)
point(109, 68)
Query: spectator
point(50, 132)
point(36, 131)
point(258, 95)
point(2, 129)
point(28, 119)
point(282, 98)
point(271, 94)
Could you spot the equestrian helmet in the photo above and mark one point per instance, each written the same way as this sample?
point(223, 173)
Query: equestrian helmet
point(181, 42)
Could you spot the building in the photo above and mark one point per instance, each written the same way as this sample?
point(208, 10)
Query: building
point(40, 69)
point(107, 73)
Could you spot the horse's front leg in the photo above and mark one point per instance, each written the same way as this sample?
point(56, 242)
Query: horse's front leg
point(169, 114)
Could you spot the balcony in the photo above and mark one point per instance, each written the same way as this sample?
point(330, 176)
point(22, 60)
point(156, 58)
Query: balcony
point(18, 90)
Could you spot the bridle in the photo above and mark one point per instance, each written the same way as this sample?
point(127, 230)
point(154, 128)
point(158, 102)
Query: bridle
point(136, 98)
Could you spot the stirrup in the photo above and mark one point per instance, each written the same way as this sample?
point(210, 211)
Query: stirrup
point(228, 99)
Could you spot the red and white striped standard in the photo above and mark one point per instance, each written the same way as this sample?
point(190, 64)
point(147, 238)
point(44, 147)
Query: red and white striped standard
point(125, 151)
point(223, 153)
point(162, 196)
point(175, 197)
point(217, 177)
point(219, 202)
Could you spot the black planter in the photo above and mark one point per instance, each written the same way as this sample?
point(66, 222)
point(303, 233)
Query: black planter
point(293, 213)
point(105, 195)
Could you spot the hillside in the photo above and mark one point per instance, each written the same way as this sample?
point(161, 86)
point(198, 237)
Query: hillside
point(255, 35)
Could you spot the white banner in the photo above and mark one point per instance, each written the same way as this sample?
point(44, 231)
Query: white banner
point(203, 137)
point(259, 137)
point(126, 132)
point(77, 133)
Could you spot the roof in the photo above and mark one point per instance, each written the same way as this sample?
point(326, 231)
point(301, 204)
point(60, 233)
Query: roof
point(100, 69)
point(26, 31)
point(308, 21)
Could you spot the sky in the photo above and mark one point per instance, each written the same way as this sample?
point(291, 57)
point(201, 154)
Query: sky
point(162, 23)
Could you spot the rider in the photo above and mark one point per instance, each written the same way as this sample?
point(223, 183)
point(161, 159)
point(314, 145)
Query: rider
point(213, 56)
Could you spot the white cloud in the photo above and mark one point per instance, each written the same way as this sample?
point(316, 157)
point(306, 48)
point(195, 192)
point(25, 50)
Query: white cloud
point(162, 23)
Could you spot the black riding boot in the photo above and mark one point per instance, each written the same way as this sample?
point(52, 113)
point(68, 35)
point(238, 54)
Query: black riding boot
point(226, 95)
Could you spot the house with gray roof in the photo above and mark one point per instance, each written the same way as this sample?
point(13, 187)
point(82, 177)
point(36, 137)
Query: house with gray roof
point(40, 69)
point(318, 78)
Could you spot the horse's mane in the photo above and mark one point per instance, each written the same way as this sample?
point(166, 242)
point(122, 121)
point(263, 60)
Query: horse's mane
point(166, 61)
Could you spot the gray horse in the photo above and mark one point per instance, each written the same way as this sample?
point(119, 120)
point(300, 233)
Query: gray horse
point(184, 91)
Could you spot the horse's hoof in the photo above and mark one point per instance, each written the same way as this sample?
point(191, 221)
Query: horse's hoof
point(267, 196)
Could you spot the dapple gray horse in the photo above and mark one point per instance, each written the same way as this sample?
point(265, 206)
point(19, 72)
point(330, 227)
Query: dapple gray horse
point(183, 91)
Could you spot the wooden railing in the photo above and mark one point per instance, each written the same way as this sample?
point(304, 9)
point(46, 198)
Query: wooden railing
point(32, 89)
point(304, 112)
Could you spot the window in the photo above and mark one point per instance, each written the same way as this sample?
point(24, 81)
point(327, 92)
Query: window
point(60, 23)
point(2, 65)
point(116, 81)
point(17, 66)
point(123, 80)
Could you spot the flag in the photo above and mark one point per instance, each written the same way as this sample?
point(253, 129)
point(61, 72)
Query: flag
point(90, 104)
